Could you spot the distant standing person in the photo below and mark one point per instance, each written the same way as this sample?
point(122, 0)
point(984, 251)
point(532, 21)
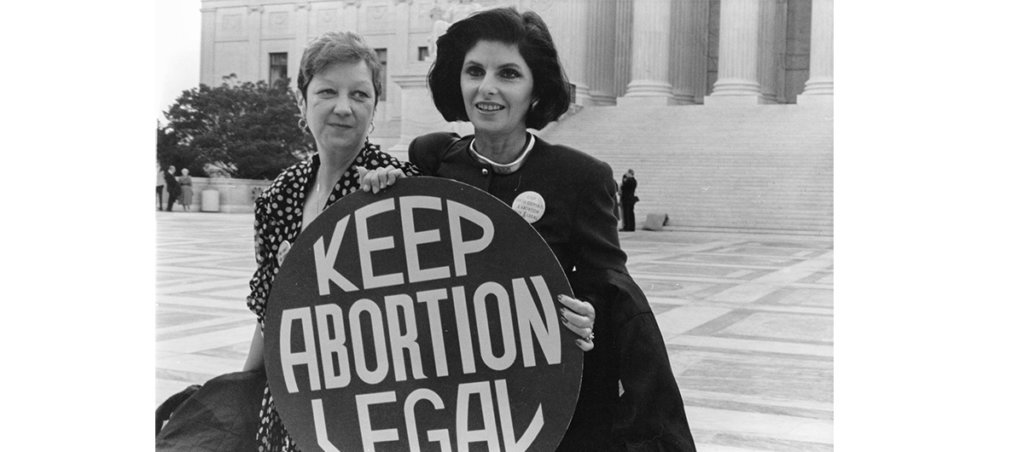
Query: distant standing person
point(618, 201)
point(159, 188)
point(186, 189)
point(629, 200)
point(173, 187)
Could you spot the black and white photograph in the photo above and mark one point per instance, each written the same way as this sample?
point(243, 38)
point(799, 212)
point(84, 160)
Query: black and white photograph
point(676, 157)
point(543, 225)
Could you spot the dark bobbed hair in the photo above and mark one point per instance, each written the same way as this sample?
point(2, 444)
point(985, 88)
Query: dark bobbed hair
point(338, 47)
point(529, 34)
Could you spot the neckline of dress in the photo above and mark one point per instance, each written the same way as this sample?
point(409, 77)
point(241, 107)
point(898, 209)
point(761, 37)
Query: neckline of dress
point(505, 168)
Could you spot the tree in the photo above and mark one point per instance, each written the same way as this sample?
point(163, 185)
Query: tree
point(169, 152)
point(245, 130)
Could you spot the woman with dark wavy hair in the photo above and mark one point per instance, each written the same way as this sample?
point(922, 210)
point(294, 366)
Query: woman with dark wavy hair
point(499, 70)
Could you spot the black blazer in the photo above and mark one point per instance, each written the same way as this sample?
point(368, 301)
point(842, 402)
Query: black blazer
point(173, 187)
point(580, 227)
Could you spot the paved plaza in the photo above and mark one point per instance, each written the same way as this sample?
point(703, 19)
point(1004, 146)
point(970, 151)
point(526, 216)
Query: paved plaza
point(747, 319)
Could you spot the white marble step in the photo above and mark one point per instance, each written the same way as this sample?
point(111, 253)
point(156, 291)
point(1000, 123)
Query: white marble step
point(760, 167)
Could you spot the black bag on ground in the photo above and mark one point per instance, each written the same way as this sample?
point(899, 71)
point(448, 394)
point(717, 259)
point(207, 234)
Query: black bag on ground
point(222, 415)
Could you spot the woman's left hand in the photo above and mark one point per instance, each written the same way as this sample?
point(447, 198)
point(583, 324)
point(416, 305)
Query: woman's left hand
point(579, 316)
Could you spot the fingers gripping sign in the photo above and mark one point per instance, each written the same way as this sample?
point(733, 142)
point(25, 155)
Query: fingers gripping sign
point(578, 316)
point(378, 179)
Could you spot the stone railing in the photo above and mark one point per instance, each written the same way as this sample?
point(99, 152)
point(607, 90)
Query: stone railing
point(234, 195)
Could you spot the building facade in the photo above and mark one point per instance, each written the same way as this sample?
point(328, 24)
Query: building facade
point(723, 107)
point(664, 52)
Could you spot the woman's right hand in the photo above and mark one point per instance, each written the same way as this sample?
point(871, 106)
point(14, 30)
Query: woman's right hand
point(378, 179)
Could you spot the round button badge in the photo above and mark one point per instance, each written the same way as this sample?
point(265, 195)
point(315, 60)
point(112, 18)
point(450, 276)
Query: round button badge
point(529, 205)
point(282, 251)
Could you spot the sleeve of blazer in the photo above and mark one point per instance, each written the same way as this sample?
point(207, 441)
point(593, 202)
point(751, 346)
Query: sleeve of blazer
point(650, 415)
point(385, 159)
point(426, 151)
point(596, 240)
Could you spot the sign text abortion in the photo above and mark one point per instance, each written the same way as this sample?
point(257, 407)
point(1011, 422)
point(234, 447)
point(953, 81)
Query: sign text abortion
point(421, 318)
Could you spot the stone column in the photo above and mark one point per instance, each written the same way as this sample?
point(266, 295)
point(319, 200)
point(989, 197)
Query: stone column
point(623, 44)
point(649, 84)
point(601, 51)
point(209, 36)
point(567, 22)
point(253, 28)
point(689, 51)
point(819, 84)
point(399, 52)
point(739, 31)
point(301, 39)
point(767, 68)
point(781, 24)
point(398, 56)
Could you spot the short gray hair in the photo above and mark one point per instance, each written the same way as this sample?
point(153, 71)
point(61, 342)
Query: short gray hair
point(338, 47)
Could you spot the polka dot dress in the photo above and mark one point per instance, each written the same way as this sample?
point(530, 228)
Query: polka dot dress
point(278, 222)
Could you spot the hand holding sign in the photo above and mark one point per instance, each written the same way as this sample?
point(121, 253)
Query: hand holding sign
point(379, 178)
point(581, 324)
point(423, 318)
point(580, 316)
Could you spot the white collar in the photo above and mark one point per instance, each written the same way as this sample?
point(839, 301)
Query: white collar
point(505, 168)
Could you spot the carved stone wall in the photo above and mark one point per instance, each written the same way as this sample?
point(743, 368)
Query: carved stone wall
point(595, 39)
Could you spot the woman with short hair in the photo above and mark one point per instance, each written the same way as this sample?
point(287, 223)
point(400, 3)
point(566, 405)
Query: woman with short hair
point(339, 85)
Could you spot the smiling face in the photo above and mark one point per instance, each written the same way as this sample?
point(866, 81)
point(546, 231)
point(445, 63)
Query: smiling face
point(497, 88)
point(339, 107)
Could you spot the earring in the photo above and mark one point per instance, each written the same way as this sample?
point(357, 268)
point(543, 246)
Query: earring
point(303, 125)
point(371, 129)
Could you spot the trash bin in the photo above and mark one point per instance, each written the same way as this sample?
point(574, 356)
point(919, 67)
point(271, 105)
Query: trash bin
point(210, 201)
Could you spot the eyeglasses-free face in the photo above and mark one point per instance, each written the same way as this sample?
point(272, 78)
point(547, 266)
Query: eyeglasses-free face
point(497, 88)
point(339, 107)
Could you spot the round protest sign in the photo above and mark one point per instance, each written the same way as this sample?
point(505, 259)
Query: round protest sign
point(424, 317)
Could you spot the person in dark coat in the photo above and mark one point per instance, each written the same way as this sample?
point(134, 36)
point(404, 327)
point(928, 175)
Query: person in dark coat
point(499, 70)
point(629, 200)
point(173, 187)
